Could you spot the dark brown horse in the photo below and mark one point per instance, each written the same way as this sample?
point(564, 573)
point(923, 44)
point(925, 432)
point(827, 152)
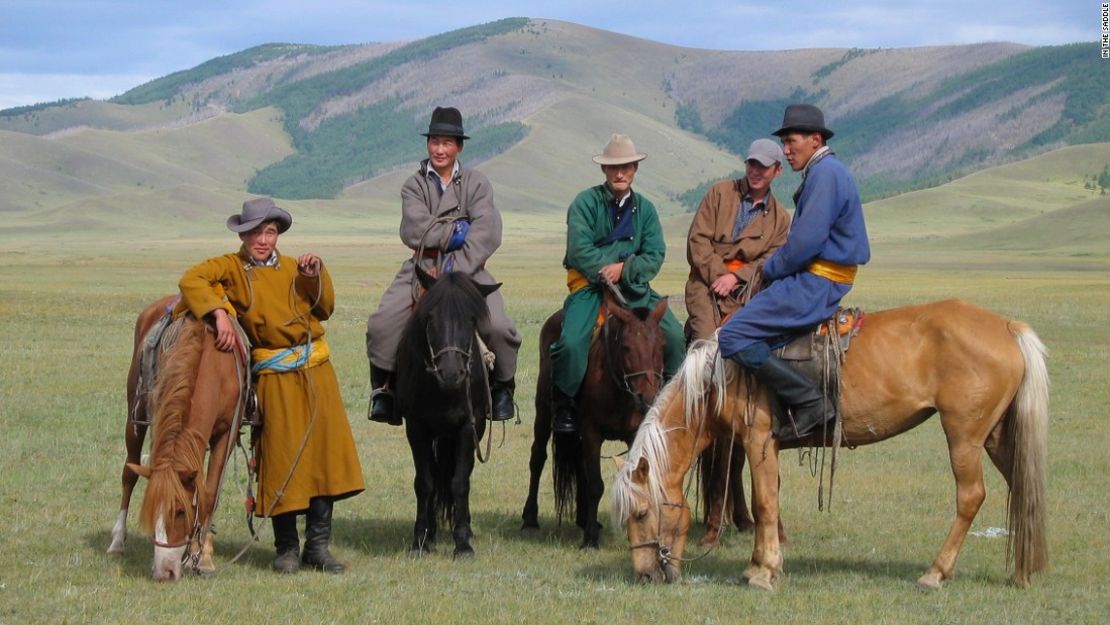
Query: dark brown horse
point(195, 402)
point(623, 375)
point(984, 374)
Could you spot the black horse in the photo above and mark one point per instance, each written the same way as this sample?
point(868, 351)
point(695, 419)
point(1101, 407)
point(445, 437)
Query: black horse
point(625, 372)
point(442, 391)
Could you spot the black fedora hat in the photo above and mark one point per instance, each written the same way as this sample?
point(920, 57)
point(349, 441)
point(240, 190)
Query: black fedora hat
point(803, 118)
point(256, 211)
point(446, 122)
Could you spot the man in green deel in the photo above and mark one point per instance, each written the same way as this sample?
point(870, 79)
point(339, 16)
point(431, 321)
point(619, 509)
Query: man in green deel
point(613, 236)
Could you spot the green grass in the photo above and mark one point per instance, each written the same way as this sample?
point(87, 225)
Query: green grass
point(67, 304)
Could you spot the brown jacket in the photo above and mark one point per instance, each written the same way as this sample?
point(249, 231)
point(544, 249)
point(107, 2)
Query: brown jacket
point(709, 247)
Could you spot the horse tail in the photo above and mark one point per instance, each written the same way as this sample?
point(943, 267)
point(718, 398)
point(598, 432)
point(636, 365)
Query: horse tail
point(1028, 437)
point(566, 458)
point(443, 470)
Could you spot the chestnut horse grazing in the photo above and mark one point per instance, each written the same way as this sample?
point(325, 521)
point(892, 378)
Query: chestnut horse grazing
point(196, 403)
point(984, 374)
point(624, 373)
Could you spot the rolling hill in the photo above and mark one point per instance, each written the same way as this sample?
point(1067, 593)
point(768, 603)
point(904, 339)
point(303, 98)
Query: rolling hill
point(536, 91)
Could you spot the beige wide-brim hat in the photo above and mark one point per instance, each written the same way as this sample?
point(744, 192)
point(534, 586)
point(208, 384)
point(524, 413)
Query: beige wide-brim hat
point(619, 151)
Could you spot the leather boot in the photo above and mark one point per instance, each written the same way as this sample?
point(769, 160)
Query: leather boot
point(565, 418)
point(810, 408)
point(317, 533)
point(286, 542)
point(381, 397)
point(502, 393)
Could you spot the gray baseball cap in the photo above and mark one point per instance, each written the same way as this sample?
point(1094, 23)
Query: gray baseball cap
point(765, 151)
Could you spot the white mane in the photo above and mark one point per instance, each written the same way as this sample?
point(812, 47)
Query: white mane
point(702, 371)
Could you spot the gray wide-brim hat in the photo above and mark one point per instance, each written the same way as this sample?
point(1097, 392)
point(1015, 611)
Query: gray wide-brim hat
point(765, 152)
point(257, 211)
point(619, 151)
point(803, 118)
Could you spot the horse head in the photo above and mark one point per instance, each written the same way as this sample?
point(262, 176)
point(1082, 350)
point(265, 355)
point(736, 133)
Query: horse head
point(450, 313)
point(174, 496)
point(635, 352)
point(657, 524)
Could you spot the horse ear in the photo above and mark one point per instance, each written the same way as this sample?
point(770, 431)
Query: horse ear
point(640, 473)
point(426, 279)
point(486, 289)
point(659, 310)
point(138, 469)
point(621, 313)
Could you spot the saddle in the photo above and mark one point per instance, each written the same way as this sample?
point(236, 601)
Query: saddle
point(817, 355)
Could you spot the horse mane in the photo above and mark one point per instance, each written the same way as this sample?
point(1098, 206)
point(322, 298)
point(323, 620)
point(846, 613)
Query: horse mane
point(175, 448)
point(703, 372)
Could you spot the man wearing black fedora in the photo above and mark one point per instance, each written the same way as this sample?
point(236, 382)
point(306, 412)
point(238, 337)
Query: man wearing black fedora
point(809, 274)
point(448, 217)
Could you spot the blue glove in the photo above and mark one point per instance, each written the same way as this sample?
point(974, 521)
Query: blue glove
point(458, 236)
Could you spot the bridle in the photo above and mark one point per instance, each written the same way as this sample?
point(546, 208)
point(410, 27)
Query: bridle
point(664, 552)
point(622, 379)
point(467, 355)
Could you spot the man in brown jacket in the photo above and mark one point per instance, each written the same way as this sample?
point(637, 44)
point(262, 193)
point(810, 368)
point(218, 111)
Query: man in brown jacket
point(448, 217)
point(739, 223)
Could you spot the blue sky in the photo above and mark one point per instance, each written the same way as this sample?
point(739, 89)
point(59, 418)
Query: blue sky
point(51, 49)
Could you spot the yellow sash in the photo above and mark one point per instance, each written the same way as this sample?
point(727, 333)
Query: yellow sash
point(841, 274)
point(290, 358)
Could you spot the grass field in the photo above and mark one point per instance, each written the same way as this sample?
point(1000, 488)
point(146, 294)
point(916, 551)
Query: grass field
point(68, 302)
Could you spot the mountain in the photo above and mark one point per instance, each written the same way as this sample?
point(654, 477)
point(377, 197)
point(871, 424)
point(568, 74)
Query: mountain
point(539, 97)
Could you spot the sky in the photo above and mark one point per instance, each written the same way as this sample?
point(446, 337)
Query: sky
point(54, 49)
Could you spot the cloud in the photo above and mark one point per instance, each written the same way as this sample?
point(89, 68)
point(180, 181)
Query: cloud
point(23, 89)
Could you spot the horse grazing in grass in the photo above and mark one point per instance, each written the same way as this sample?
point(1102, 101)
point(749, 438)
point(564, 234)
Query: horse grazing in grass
point(194, 406)
point(442, 390)
point(623, 375)
point(984, 374)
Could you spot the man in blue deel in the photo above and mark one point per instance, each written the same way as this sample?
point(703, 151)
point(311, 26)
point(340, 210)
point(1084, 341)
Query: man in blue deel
point(810, 273)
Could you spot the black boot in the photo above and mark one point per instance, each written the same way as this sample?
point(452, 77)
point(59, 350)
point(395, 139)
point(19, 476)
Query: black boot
point(565, 417)
point(317, 533)
point(286, 542)
point(381, 397)
point(502, 393)
point(810, 408)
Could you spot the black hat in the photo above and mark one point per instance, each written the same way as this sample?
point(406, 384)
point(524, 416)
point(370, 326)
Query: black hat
point(256, 211)
point(803, 118)
point(446, 122)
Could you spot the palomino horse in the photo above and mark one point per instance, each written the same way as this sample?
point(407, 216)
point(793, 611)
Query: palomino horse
point(195, 403)
point(622, 378)
point(984, 374)
point(442, 391)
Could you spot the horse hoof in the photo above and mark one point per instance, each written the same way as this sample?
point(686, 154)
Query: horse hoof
point(463, 554)
point(115, 550)
point(529, 530)
point(929, 582)
point(761, 581)
point(589, 545)
point(710, 542)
